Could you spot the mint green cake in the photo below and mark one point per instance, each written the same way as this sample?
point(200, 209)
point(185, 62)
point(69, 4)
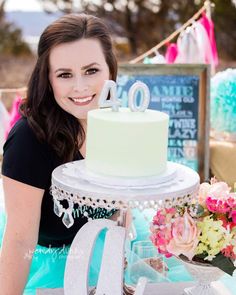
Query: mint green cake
point(126, 143)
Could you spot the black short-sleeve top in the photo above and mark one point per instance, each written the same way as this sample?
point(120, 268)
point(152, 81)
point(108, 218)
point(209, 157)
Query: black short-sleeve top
point(29, 161)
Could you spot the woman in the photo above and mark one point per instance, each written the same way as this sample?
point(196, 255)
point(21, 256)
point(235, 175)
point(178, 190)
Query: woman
point(74, 58)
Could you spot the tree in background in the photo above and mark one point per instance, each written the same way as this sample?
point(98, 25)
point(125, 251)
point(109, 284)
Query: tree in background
point(147, 22)
point(11, 37)
point(224, 18)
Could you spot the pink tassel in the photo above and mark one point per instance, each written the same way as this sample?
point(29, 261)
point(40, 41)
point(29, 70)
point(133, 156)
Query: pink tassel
point(14, 114)
point(209, 27)
point(171, 53)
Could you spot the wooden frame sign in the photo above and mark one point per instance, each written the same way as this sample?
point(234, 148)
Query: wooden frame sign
point(182, 91)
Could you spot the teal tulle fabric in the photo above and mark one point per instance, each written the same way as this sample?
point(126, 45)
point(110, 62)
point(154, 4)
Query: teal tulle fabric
point(223, 101)
point(48, 264)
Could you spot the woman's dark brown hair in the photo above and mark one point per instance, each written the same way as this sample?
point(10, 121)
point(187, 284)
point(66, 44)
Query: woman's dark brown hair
point(50, 123)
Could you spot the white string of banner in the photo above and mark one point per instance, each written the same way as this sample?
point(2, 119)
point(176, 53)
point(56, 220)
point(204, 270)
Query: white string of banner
point(205, 8)
point(20, 90)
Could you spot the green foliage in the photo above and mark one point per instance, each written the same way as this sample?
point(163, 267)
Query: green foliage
point(11, 40)
point(11, 37)
point(147, 22)
point(221, 262)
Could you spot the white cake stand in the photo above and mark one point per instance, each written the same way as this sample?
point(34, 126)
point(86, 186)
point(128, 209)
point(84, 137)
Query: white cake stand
point(73, 183)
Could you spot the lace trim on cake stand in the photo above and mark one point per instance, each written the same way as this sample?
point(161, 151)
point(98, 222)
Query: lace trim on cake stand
point(83, 200)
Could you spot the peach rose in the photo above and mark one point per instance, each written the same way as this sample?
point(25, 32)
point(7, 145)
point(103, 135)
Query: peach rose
point(219, 190)
point(184, 237)
point(203, 193)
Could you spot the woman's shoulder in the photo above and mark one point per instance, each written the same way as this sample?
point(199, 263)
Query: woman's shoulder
point(22, 138)
point(25, 158)
point(21, 133)
point(21, 127)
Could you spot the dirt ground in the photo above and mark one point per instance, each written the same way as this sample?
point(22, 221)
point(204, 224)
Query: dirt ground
point(14, 73)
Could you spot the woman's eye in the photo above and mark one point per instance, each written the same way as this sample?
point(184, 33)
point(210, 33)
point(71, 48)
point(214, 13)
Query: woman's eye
point(65, 75)
point(91, 71)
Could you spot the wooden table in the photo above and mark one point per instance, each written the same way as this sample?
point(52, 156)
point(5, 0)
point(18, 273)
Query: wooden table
point(223, 161)
point(152, 289)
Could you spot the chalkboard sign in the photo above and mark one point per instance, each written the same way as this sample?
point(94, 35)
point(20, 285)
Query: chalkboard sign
point(182, 91)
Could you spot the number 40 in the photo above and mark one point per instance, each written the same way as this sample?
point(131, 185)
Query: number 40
point(114, 102)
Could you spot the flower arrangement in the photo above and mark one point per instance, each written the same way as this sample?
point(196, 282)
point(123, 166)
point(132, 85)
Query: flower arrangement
point(201, 230)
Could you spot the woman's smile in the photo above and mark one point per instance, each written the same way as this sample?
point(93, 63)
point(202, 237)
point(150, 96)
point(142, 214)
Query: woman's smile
point(81, 101)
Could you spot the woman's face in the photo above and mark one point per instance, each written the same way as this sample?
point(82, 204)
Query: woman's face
point(77, 71)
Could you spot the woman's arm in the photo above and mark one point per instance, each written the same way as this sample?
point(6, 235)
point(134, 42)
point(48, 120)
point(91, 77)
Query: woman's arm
point(23, 207)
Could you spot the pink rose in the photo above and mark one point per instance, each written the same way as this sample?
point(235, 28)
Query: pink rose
point(231, 200)
point(184, 237)
point(233, 216)
point(217, 205)
point(161, 229)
